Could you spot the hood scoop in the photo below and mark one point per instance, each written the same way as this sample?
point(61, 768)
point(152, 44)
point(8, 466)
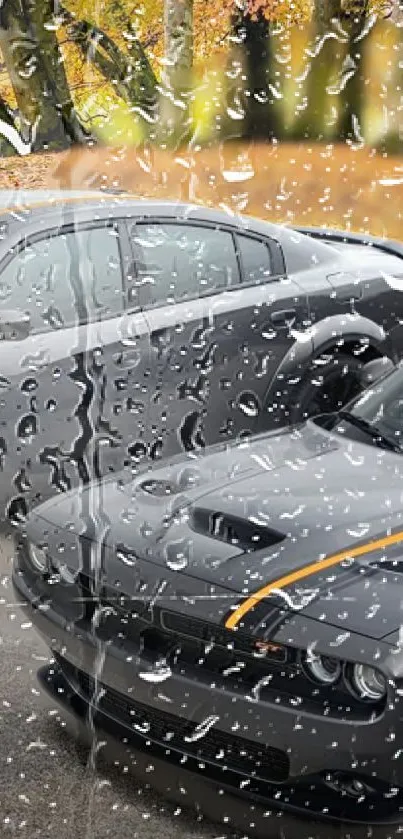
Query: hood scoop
point(241, 533)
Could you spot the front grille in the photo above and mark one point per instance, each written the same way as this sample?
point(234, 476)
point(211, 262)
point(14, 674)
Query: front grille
point(229, 752)
point(208, 652)
point(204, 632)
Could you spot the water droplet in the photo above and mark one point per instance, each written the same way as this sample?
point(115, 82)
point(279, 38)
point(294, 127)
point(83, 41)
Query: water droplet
point(237, 175)
point(159, 674)
point(146, 529)
point(29, 385)
point(248, 404)
point(202, 729)
point(177, 554)
point(128, 515)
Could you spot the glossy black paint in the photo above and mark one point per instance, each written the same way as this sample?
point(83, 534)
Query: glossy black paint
point(81, 401)
point(145, 574)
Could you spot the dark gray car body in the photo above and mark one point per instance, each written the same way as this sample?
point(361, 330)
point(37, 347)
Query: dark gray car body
point(82, 399)
point(146, 576)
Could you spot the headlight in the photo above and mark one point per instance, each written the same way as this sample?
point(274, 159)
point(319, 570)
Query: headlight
point(38, 558)
point(323, 668)
point(368, 683)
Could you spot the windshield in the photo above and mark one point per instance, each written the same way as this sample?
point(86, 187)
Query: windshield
point(376, 414)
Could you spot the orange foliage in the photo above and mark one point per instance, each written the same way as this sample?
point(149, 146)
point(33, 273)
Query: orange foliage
point(283, 11)
point(292, 183)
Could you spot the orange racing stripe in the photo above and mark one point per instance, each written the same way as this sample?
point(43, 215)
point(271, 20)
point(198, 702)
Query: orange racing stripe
point(309, 571)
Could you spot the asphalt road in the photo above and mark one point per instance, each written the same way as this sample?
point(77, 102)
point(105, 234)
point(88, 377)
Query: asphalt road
point(47, 787)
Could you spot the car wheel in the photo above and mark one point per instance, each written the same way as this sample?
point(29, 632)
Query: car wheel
point(331, 381)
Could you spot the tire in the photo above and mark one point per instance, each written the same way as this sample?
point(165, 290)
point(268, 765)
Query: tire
point(330, 382)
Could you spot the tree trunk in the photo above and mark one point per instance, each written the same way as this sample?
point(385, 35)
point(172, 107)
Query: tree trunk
point(175, 99)
point(10, 138)
point(355, 21)
point(133, 76)
point(322, 57)
point(35, 66)
point(392, 141)
point(259, 94)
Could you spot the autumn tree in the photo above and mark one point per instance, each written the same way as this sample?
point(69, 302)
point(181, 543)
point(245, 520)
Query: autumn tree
point(253, 61)
point(356, 22)
point(393, 139)
point(256, 97)
point(176, 83)
point(335, 77)
point(130, 73)
point(37, 74)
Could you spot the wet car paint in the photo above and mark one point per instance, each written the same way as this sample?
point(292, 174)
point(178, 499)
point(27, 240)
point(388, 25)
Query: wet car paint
point(80, 402)
point(174, 620)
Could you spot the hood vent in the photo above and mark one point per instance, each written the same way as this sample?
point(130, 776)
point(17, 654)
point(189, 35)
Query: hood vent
point(395, 566)
point(241, 533)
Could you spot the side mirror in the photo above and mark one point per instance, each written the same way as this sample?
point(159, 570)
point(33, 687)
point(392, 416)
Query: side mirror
point(375, 370)
point(14, 325)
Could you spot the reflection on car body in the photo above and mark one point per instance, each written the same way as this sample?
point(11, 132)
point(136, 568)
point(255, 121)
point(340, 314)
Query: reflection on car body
point(241, 610)
point(159, 327)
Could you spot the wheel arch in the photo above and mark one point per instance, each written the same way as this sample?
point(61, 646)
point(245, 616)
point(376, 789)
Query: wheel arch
point(346, 332)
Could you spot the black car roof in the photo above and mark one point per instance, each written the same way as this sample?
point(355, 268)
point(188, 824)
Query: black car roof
point(50, 207)
point(20, 204)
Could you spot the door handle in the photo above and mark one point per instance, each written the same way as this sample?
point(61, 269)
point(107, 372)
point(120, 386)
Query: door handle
point(345, 291)
point(349, 294)
point(284, 317)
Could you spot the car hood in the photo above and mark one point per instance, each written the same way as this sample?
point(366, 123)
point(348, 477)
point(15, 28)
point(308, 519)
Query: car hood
point(225, 526)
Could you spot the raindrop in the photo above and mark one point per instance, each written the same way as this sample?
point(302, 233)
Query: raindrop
point(129, 515)
point(177, 554)
point(160, 674)
point(202, 729)
point(348, 71)
point(237, 176)
point(126, 557)
point(359, 532)
point(236, 114)
point(27, 426)
point(248, 404)
point(145, 529)
point(29, 385)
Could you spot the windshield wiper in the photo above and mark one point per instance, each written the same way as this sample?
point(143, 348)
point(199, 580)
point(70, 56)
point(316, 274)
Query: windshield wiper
point(371, 430)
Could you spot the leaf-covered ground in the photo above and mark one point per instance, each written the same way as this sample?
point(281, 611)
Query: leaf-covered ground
point(305, 184)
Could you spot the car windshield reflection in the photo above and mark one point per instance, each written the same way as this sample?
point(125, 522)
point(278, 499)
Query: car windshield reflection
point(376, 416)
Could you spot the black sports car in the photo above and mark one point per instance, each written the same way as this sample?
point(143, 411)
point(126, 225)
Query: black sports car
point(241, 611)
point(134, 328)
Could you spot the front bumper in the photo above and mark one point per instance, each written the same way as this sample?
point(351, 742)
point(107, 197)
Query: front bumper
point(245, 811)
point(235, 744)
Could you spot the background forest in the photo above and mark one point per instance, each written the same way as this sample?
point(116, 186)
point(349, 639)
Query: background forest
point(178, 72)
point(286, 109)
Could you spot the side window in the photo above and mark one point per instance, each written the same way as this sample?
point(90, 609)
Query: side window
point(255, 258)
point(52, 278)
point(177, 261)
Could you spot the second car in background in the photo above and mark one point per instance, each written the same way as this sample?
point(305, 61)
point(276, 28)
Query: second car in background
point(138, 328)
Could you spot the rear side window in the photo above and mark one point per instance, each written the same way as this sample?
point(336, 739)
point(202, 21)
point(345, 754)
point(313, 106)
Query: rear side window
point(175, 261)
point(53, 279)
point(255, 258)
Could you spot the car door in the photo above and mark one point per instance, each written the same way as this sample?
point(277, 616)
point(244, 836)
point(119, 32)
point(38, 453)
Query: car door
point(267, 310)
point(209, 332)
point(61, 404)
